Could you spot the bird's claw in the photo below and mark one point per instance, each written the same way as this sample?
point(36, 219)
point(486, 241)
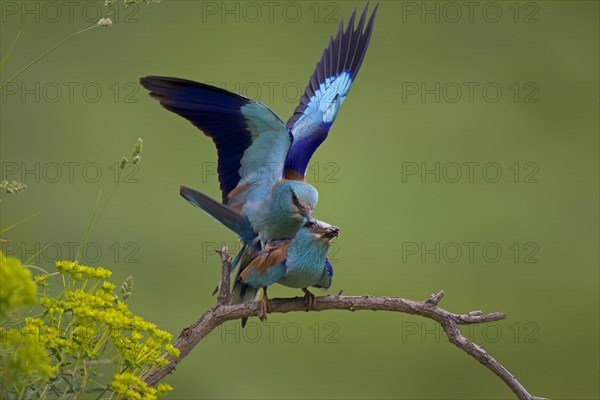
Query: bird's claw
point(310, 300)
point(265, 307)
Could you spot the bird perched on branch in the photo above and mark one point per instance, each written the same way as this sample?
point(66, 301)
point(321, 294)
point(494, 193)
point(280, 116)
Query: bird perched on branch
point(261, 159)
point(298, 263)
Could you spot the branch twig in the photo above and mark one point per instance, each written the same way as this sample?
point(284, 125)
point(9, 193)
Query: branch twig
point(223, 312)
point(224, 293)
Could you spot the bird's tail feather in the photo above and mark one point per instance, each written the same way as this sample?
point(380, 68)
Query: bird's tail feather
point(242, 292)
point(231, 219)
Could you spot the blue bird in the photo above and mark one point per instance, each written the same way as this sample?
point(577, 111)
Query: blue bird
point(304, 258)
point(262, 161)
point(240, 225)
point(297, 263)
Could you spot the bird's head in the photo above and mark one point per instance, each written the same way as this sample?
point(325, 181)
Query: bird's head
point(298, 198)
point(320, 230)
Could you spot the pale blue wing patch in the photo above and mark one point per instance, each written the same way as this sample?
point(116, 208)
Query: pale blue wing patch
point(271, 139)
point(323, 106)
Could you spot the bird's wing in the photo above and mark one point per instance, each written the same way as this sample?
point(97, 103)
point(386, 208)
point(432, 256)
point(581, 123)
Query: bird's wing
point(251, 140)
point(268, 267)
point(327, 89)
point(231, 219)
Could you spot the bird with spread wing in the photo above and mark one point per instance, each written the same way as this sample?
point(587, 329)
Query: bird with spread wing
point(262, 160)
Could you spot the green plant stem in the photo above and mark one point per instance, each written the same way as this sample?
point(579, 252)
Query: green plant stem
point(48, 52)
point(88, 230)
point(19, 223)
point(5, 58)
point(35, 255)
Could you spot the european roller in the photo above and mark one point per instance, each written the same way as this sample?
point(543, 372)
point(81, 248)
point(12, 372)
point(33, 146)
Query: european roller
point(308, 254)
point(297, 263)
point(262, 160)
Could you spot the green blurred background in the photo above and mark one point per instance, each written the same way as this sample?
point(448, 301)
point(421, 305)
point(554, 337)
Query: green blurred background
point(400, 231)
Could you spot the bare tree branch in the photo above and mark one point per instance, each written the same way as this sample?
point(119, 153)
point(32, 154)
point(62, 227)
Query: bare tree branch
point(224, 293)
point(223, 312)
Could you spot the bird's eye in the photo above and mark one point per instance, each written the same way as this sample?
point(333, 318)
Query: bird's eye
point(309, 224)
point(295, 201)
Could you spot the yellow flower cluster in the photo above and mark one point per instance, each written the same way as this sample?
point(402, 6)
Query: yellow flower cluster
point(41, 280)
point(49, 336)
point(129, 386)
point(24, 355)
point(78, 272)
point(138, 341)
point(16, 287)
point(85, 323)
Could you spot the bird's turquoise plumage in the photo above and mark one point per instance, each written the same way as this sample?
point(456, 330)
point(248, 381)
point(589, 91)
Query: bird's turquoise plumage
point(277, 212)
point(306, 257)
point(252, 143)
point(262, 160)
point(297, 263)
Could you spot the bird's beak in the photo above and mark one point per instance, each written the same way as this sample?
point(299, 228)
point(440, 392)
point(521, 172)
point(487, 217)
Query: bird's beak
point(331, 232)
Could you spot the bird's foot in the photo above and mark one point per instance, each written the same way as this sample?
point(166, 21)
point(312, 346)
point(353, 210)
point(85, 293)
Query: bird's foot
point(310, 299)
point(265, 306)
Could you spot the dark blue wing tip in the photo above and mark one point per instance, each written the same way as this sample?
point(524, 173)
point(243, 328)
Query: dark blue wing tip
point(355, 38)
point(215, 111)
point(345, 52)
point(166, 84)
